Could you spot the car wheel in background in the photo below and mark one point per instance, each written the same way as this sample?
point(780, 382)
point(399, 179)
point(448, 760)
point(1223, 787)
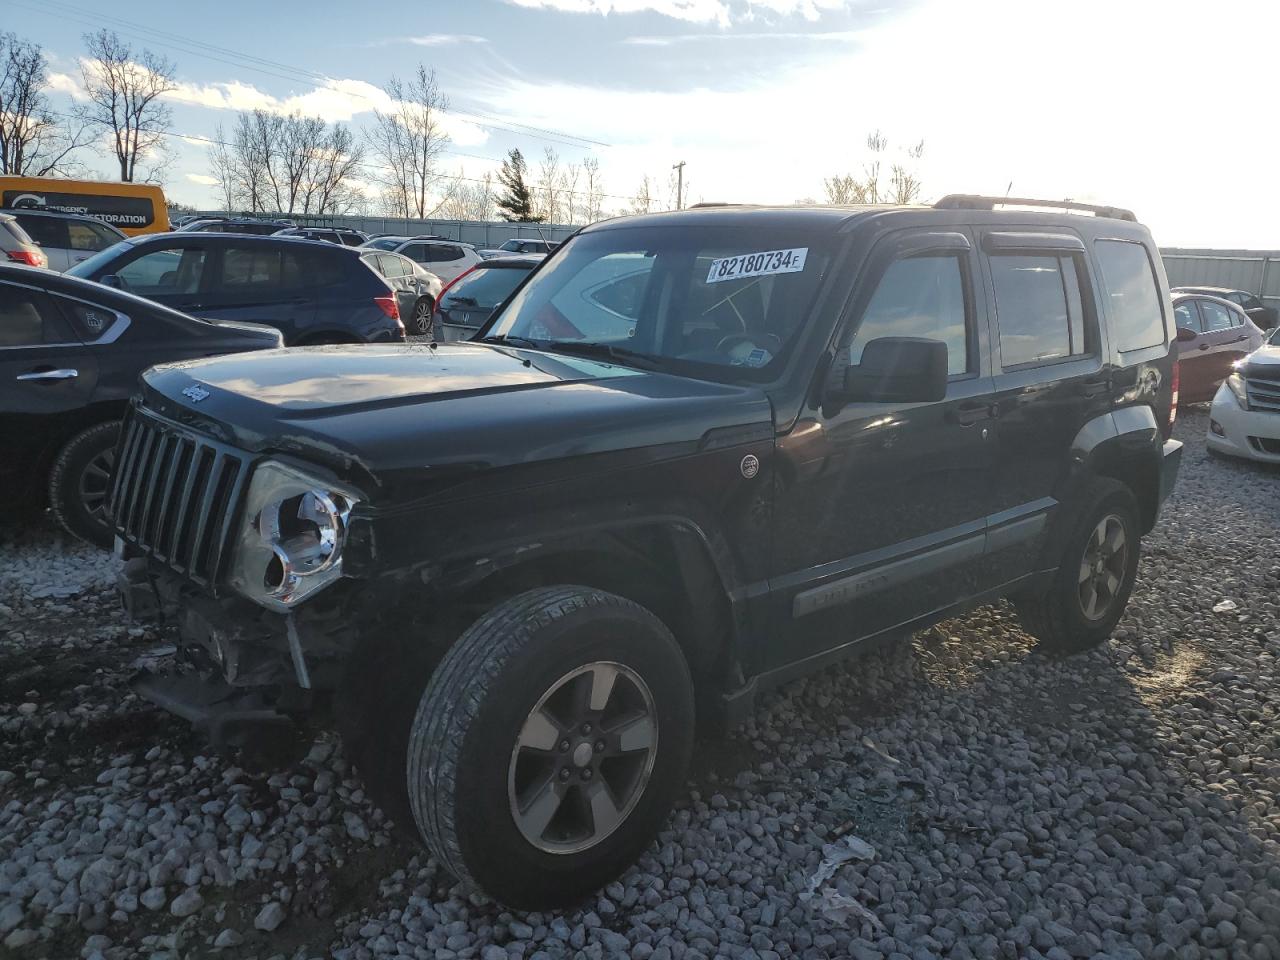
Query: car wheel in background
point(422, 316)
point(549, 745)
point(80, 480)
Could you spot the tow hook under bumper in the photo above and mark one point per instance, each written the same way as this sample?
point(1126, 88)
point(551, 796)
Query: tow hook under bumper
point(231, 717)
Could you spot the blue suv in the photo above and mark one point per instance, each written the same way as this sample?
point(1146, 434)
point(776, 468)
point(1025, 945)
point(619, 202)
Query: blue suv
point(311, 292)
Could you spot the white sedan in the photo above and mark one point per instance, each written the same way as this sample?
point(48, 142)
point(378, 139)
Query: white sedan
point(1244, 420)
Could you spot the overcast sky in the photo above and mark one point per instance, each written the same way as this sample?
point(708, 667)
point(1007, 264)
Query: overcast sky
point(1165, 108)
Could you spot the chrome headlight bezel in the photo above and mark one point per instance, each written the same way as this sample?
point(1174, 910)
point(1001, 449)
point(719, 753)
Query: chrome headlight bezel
point(291, 535)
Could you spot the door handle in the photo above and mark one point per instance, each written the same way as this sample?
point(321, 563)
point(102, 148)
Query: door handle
point(1204, 346)
point(970, 413)
point(38, 375)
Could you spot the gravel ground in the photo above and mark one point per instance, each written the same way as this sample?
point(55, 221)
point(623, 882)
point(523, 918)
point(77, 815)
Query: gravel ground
point(958, 797)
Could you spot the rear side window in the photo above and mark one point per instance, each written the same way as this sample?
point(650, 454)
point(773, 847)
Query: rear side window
point(1038, 309)
point(1133, 298)
point(919, 297)
point(46, 231)
point(90, 322)
point(1216, 316)
point(443, 252)
point(488, 286)
point(271, 268)
point(28, 318)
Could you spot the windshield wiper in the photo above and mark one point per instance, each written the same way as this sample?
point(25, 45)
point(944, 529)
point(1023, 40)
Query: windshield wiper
point(608, 351)
point(513, 341)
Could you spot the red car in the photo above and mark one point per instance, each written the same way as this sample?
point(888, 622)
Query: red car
point(1212, 335)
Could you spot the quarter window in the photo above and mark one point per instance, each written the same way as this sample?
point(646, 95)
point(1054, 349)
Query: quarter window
point(919, 297)
point(253, 268)
point(1038, 309)
point(46, 231)
point(89, 236)
point(1133, 298)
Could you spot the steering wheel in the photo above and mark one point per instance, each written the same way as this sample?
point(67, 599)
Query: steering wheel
point(766, 341)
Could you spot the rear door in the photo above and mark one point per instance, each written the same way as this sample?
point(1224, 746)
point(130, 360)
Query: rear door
point(1220, 344)
point(1195, 363)
point(260, 283)
point(47, 377)
point(87, 237)
point(1050, 379)
point(176, 274)
point(399, 273)
point(445, 260)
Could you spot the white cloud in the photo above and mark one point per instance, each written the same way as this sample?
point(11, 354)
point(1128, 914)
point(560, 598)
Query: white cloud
point(445, 39)
point(197, 141)
point(202, 179)
point(774, 138)
point(694, 11)
point(683, 38)
point(65, 83)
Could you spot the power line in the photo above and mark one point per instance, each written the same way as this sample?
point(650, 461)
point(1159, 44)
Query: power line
point(291, 73)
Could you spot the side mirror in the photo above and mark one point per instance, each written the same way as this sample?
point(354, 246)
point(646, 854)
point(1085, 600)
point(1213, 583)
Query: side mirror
point(897, 370)
point(111, 280)
point(1186, 334)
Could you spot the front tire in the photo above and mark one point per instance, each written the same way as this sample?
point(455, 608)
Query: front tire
point(549, 744)
point(1095, 576)
point(79, 483)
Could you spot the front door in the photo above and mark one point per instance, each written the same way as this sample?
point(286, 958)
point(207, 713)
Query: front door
point(880, 509)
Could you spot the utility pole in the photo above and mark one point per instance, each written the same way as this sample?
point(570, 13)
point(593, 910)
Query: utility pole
point(679, 169)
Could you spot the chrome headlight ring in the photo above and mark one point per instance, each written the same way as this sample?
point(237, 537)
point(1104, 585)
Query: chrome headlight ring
point(290, 544)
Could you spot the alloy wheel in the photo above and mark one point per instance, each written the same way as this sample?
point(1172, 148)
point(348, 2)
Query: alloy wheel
point(1102, 568)
point(95, 481)
point(422, 316)
point(582, 758)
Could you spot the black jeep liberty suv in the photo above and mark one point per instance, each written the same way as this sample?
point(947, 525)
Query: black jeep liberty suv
point(694, 455)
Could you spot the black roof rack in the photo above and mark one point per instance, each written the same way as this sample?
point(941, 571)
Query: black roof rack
point(964, 201)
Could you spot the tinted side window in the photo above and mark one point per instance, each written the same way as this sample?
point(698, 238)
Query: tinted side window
point(1133, 296)
point(263, 269)
point(1186, 317)
point(919, 297)
point(28, 318)
point(168, 271)
point(88, 236)
point(1216, 316)
point(46, 231)
point(393, 266)
point(1038, 308)
point(444, 252)
point(415, 251)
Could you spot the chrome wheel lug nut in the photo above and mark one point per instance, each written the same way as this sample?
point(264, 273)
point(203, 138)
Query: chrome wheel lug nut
point(599, 746)
point(586, 728)
point(564, 746)
point(586, 774)
point(564, 774)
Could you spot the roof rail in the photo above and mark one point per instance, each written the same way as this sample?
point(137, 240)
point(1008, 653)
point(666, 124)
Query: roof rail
point(964, 201)
point(711, 203)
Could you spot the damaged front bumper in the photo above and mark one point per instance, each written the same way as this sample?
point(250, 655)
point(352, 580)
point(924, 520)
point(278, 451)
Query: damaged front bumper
point(246, 673)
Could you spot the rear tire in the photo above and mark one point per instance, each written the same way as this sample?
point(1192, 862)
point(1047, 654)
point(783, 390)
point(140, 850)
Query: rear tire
point(1096, 572)
point(423, 319)
point(499, 799)
point(79, 483)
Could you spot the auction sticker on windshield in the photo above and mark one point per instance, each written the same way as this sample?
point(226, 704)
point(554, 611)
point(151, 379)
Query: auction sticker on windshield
point(761, 264)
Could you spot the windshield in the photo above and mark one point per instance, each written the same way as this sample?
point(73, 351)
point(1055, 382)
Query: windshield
point(87, 268)
point(511, 245)
point(713, 301)
point(384, 243)
point(486, 286)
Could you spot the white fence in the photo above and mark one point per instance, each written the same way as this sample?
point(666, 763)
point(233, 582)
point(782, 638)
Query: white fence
point(1257, 271)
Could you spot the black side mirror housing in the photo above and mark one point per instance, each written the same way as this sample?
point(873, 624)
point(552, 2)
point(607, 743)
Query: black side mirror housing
point(897, 370)
point(1185, 334)
point(110, 280)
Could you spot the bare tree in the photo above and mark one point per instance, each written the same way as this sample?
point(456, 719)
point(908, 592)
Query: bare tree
point(642, 202)
point(594, 189)
point(569, 188)
point(332, 176)
point(469, 199)
point(124, 97)
point(549, 186)
point(903, 187)
point(223, 168)
point(407, 141)
point(32, 142)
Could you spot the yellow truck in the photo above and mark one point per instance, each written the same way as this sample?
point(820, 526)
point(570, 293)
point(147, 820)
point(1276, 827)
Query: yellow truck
point(134, 208)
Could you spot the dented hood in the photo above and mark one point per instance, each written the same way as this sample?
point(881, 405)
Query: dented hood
point(401, 417)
